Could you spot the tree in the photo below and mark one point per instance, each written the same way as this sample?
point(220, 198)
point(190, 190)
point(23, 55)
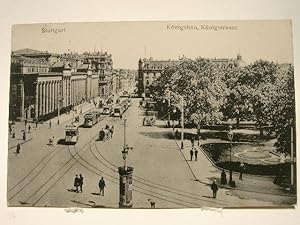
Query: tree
point(283, 110)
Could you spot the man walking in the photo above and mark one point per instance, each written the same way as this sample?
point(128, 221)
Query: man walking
point(214, 188)
point(80, 182)
point(193, 142)
point(242, 168)
point(191, 154)
point(101, 186)
point(196, 154)
point(18, 148)
point(76, 183)
point(29, 128)
point(50, 124)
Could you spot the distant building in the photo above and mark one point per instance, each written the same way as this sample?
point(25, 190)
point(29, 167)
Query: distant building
point(104, 66)
point(149, 69)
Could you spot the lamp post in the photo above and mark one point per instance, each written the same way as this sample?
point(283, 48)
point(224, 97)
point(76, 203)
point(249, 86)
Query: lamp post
point(292, 157)
point(230, 137)
point(182, 121)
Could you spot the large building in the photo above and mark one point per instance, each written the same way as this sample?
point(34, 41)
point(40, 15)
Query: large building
point(41, 84)
point(149, 69)
point(104, 66)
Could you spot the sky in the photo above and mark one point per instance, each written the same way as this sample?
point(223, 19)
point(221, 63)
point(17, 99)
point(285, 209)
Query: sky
point(129, 41)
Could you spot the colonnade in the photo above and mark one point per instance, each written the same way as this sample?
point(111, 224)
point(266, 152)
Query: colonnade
point(48, 96)
point(53, 94)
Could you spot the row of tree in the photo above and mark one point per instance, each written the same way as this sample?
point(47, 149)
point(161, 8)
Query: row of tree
point(262, 92)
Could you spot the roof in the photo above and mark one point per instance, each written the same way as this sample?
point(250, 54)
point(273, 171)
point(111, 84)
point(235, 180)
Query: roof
point(27, 60)
point(29, 51)
point(61, 65)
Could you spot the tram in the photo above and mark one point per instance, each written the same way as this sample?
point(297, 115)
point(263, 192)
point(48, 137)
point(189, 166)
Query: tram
point(107, 110)
point(91, 118)
point(71, 134)
point(118, 110)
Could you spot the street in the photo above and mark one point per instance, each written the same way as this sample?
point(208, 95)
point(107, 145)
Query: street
point(43, 175)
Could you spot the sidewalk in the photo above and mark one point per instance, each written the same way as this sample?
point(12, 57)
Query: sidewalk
point(205, 171)
point(63, 118)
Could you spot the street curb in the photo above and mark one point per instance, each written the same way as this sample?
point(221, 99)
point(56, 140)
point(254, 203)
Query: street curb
point(20, 143)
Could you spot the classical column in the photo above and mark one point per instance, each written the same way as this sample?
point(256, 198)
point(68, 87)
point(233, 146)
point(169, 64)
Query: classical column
point(40, 99)
point(47, 97)
point(21, 100)
point(44, 98)
point(50, 97)
point(36, 103)
point(53, 96)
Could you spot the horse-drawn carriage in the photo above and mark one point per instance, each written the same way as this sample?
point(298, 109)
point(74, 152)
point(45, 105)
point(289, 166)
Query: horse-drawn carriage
point(106, 133)
point(149, 121)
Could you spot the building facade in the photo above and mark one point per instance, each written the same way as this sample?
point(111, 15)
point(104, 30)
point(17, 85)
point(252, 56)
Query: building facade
point(43, 85)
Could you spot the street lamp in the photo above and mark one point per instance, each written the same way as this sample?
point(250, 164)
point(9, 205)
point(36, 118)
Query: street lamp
point(124, 155)
point(230, 137)
point(182, 122)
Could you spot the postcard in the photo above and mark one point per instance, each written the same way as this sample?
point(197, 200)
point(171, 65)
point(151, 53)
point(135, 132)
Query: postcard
point(160, 114)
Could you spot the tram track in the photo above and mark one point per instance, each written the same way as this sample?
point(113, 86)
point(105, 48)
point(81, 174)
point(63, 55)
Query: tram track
point(160, 187)
point(37, 169)
point(136, 188)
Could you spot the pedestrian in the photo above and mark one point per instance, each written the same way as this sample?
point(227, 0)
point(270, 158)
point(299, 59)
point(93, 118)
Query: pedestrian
point(10, 129)
point(191, 154)
point(50, 124)
point(176, 134)
point(80, 182)
point(223, 177)
point(242, 169)
point(112, 130)
point(152, 203)
point(36, 123)
point(29, 128)
point(196, 154)
point(25, 122)
point(214, 188)
point(18, 148)
point(193, 142)
point(13, 134)
point(24, 136)
point(101, 186)
point(53, 141)
point(76, 183)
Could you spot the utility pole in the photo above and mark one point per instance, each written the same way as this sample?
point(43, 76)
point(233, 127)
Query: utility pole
point(169, 106)
point(292, 157)
point(182, 122)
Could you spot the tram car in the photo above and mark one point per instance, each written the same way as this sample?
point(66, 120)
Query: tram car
point(125, 104)
point(118, 110)
point(71, 134)
point(91, 118)
point(107, 110)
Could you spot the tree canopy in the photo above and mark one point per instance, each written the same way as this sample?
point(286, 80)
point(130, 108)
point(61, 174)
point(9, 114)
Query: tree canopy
point(214, 92)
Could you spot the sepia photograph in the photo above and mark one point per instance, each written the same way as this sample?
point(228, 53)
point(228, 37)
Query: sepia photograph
point(152, 115)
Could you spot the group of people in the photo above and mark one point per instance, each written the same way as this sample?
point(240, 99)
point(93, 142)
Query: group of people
point(78, 184)
point(193, 152)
